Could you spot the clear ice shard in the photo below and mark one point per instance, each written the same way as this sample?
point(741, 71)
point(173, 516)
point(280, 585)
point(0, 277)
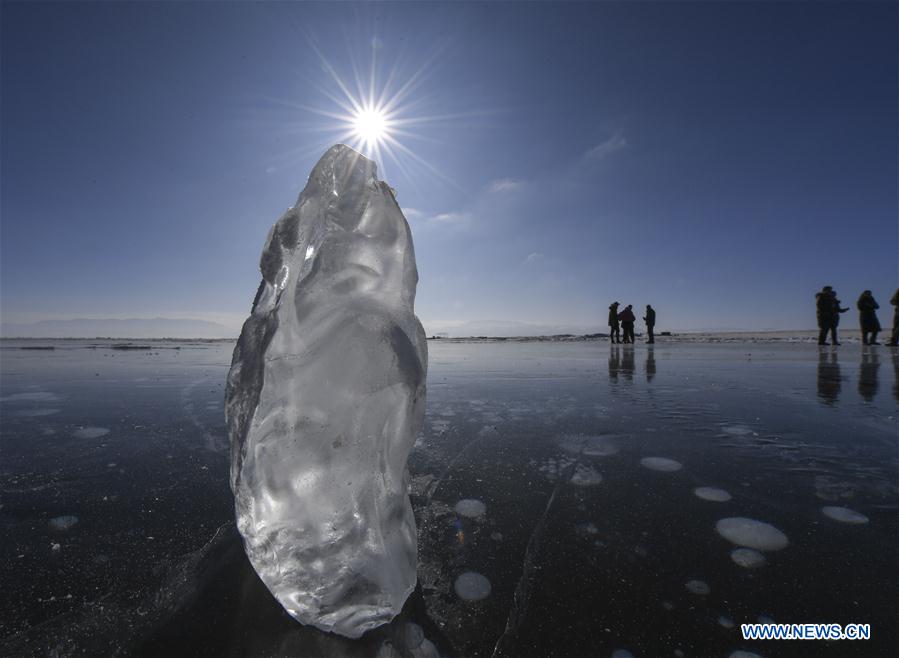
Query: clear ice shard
point(325, 397)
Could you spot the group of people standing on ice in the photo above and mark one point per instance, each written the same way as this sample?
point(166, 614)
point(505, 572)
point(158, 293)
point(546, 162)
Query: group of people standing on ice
point(829, 309)
point(625, 320)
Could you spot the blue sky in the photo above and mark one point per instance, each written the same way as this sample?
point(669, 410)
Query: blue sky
point(721, 161)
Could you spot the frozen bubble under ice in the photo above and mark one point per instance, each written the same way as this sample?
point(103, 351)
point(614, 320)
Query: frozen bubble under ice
point(591, 446)
point(743, 654)
point(748, 558)
point(585, 476)
point(622, 653)
point(698, 587)
point(752, 534)
point(844, 515)
point(37, 413)
point(386, 650)
point(471, 586)
point(588, 528)
point(471, 508)
point(90, 432)
point(35, 396)
point(63, 523)
point(712, 494)
point(725, 622)
point(736, 430)
point(662, 464)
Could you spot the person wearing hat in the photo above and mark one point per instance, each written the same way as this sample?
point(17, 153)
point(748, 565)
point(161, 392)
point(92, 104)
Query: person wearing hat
point(614, 328)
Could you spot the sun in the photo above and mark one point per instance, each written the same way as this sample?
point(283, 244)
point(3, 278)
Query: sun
point(377, 118)
point(371, 126)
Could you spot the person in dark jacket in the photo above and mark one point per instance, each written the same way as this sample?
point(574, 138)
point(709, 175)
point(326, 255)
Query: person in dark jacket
point(824, 306)
point(894, 335)
point(867, 317)
point(835, 317)
point(614, 329)
point(628, 318)
point(650, 320)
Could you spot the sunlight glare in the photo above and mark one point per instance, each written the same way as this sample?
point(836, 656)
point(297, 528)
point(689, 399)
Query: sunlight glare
point(370, 125)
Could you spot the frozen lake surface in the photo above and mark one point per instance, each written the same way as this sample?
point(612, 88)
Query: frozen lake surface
point(572, 499)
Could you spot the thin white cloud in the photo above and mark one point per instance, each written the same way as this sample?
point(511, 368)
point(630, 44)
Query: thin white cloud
point(412, 213)
point(504, 185)
point(423, 219)
point(615, 143)
point(534, 257)
point(451, 218)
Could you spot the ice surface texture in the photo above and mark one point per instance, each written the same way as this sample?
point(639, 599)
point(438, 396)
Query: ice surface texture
point(325, 396)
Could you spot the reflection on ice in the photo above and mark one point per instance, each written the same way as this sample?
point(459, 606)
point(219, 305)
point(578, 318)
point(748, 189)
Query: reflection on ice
point(561, 562)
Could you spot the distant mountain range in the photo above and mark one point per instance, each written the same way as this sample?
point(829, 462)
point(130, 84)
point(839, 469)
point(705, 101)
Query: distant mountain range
point(112, 328)
point(494, 328)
